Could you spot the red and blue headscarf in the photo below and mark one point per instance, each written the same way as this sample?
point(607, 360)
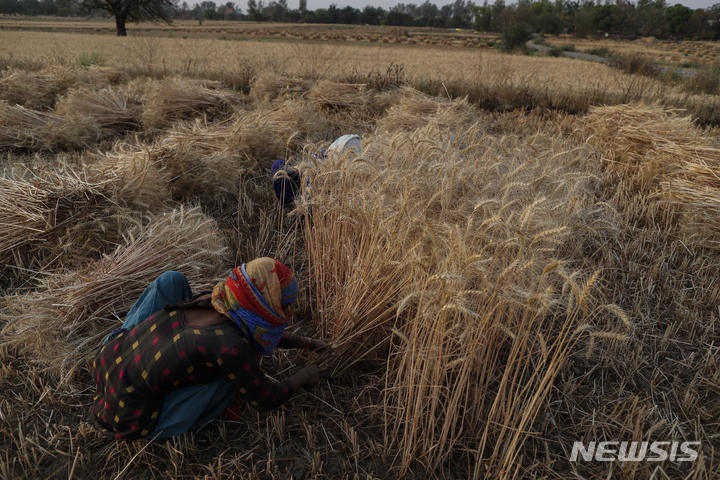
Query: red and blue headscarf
point(253, 296)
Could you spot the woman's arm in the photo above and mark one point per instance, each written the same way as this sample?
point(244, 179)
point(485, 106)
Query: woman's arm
point(242, 369)
point(289, 340)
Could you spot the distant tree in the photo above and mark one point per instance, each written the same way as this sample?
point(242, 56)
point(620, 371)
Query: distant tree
point(549, 24)
point(701, 23)
point(333, 13)
point(302, 8)
point(428, 11)
point(651, 18)
point(126, 10)
point(372, 15)
point(678, 17)
point(349, 15)
point(584, 22)
point(515, 35)
point(208, 10)
point(255, 10)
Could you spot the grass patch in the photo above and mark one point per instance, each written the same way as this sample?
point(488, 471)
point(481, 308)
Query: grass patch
point(88, 59)
point(600, 52)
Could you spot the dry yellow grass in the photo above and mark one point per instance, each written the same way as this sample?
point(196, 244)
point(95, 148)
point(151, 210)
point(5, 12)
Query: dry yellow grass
point(665, 156)
point(175, 54)
point(110, 108)
point(21, 127)
point(490, 78)
point(499, 284)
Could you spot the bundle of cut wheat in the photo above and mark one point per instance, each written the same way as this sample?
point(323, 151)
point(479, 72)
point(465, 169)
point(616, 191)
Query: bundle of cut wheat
point(37, 89)
point(269, 86)
point(30, 129)
point(198, 163)
point(429, 260)
point(416, 111)
point(171, 100)
point(300, 122)
point(109, 108)
point(389, 98)
point(203, 161)
point(696, 193)
point(140, 183)
point(98, 76)
point(263, 136)
point(67, 216)
point(70, 313)
point(648, 143)
point(341, 95)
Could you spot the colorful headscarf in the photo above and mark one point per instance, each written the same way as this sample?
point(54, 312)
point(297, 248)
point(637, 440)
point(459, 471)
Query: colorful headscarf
point(253, 295)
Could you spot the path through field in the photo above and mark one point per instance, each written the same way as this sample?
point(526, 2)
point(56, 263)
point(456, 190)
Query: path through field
point(683, 72)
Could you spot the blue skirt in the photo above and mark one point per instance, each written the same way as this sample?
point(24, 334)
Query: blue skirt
point(183, 408)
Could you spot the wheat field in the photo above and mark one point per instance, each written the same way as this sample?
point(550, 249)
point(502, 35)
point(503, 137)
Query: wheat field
point(499, 282)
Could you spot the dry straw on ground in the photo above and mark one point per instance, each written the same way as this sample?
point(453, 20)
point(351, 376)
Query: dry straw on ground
point(40, 90)
point(411, 110)
point(269, 86)
point(341, 95)
point(110, 108)
point(171, 100)
point(497, 296)
point(664, 156)
point(32, 130)
point(70, 313)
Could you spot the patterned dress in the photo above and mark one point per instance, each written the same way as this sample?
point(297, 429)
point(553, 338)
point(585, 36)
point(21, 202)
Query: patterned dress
point(139, 367)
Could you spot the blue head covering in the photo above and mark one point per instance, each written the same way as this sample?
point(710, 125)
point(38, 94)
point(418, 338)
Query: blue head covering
point(285, 188)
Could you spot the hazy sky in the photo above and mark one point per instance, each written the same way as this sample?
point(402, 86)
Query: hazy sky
point(315, 4)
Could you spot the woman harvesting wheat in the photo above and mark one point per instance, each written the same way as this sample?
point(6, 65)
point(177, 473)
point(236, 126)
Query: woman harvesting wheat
point(178, 361)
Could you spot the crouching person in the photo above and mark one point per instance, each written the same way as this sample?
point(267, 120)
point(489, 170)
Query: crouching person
point(178, 361)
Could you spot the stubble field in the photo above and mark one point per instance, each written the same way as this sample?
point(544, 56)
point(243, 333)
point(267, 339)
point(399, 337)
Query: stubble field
point(524, 256)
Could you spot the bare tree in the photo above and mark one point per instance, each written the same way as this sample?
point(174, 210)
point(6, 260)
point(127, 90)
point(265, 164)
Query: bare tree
point(127, 10)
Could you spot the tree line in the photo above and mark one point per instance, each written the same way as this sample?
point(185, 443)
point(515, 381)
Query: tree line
point(581, 18)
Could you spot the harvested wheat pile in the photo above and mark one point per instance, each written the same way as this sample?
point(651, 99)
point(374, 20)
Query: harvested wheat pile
point(303, 121)
point(198, 162)
point(37, 89)
point(110, 108)
point(201, 161)
point(67, 216)
point(429, 261)
point(169, 101)
point(66, 319)
point(389, 98)
point(413, 110)
point(341, 95)
point(667, 160)
point(40, 90)
point(98, 76)
point(33, 130)
point(269, 86)
point(263, 136)
point(695, 190)
point(646, 143)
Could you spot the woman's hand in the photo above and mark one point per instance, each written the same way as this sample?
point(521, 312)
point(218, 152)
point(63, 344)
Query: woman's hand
point(306, 377)
point(312, 374)
point(321, 346)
